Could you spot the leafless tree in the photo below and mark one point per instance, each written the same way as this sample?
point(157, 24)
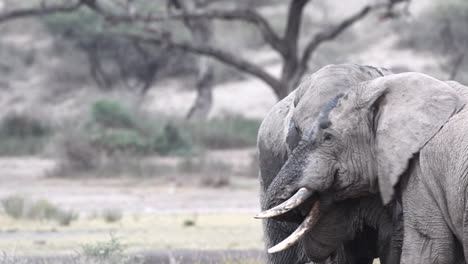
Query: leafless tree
point(196, 15)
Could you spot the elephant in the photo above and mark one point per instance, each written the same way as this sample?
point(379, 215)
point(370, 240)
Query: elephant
point(401, 137)
point(367, 232)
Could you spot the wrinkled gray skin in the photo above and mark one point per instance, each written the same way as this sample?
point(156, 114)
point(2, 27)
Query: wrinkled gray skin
point(352, 231)
point(405, 134)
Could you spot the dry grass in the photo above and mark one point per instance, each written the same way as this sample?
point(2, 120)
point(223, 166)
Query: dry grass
point(211, 231)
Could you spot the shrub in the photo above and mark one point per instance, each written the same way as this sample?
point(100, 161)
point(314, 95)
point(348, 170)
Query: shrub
point(17, 207)
point(77, 152)
point(231, 132)
point(104, 250)
point(108, 252)
point(118, 129)
point(112, 215)
point(23, 125)
point(64, 218)
point(112, 140)
point(14, 206)
point(42, 210)
point(111, 114)
point(23, 134)
point(171, 141)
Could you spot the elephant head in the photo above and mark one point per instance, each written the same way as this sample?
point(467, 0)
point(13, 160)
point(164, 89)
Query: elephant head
point(360, 145)
point(281, 134)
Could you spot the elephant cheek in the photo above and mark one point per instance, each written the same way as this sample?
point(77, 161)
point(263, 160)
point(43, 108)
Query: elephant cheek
point(318, 174)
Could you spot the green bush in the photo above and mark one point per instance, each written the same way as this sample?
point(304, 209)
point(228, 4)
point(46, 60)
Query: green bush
point(14, 206)
point(65, 217)
point(112, 215)
point(171, 141)
point(17, 207)
point(118, 129)
point(23, 134)
point(112, 114)
point(42, 210)
point(113, 140)
point(104, 251)
point(232, 132)
point(22, 125)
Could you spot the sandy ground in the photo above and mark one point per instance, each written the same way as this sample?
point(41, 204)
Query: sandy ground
point(155, 216)
point(28, 177)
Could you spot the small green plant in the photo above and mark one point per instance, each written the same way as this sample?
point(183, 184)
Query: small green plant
point(102, 251)
point(112, 215)
point(14, 206)
point(190, 221)
point(107, 252)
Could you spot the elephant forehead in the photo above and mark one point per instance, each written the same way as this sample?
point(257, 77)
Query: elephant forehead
point(314, 93)
point(319, 92)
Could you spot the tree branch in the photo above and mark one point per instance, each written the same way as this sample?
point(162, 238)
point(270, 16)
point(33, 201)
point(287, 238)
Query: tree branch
point(221, 55)
point(245, 15)
point(39, 11)
point(321, 37)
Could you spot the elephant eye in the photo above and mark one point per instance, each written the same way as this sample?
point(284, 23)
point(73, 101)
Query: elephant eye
point(327, 137)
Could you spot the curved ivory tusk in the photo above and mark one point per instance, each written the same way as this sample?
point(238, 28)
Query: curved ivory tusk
point(299, 197)
point(306, 225)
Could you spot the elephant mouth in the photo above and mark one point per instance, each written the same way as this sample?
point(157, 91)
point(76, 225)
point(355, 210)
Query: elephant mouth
point(307, 224)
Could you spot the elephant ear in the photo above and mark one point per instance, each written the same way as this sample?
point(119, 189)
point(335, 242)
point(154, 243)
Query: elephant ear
point(407, 110)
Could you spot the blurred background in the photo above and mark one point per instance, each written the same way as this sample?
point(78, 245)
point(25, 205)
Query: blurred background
point(128, 127)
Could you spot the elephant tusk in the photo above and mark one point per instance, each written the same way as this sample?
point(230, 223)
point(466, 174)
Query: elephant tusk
point(299, 197)
point(306, 225)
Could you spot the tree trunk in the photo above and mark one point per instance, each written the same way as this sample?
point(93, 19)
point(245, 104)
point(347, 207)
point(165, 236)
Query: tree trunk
point(456, 66)
point(202, 105)
point(201, 30)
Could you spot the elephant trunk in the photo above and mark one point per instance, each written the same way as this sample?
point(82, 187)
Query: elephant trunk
point(286, 193)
